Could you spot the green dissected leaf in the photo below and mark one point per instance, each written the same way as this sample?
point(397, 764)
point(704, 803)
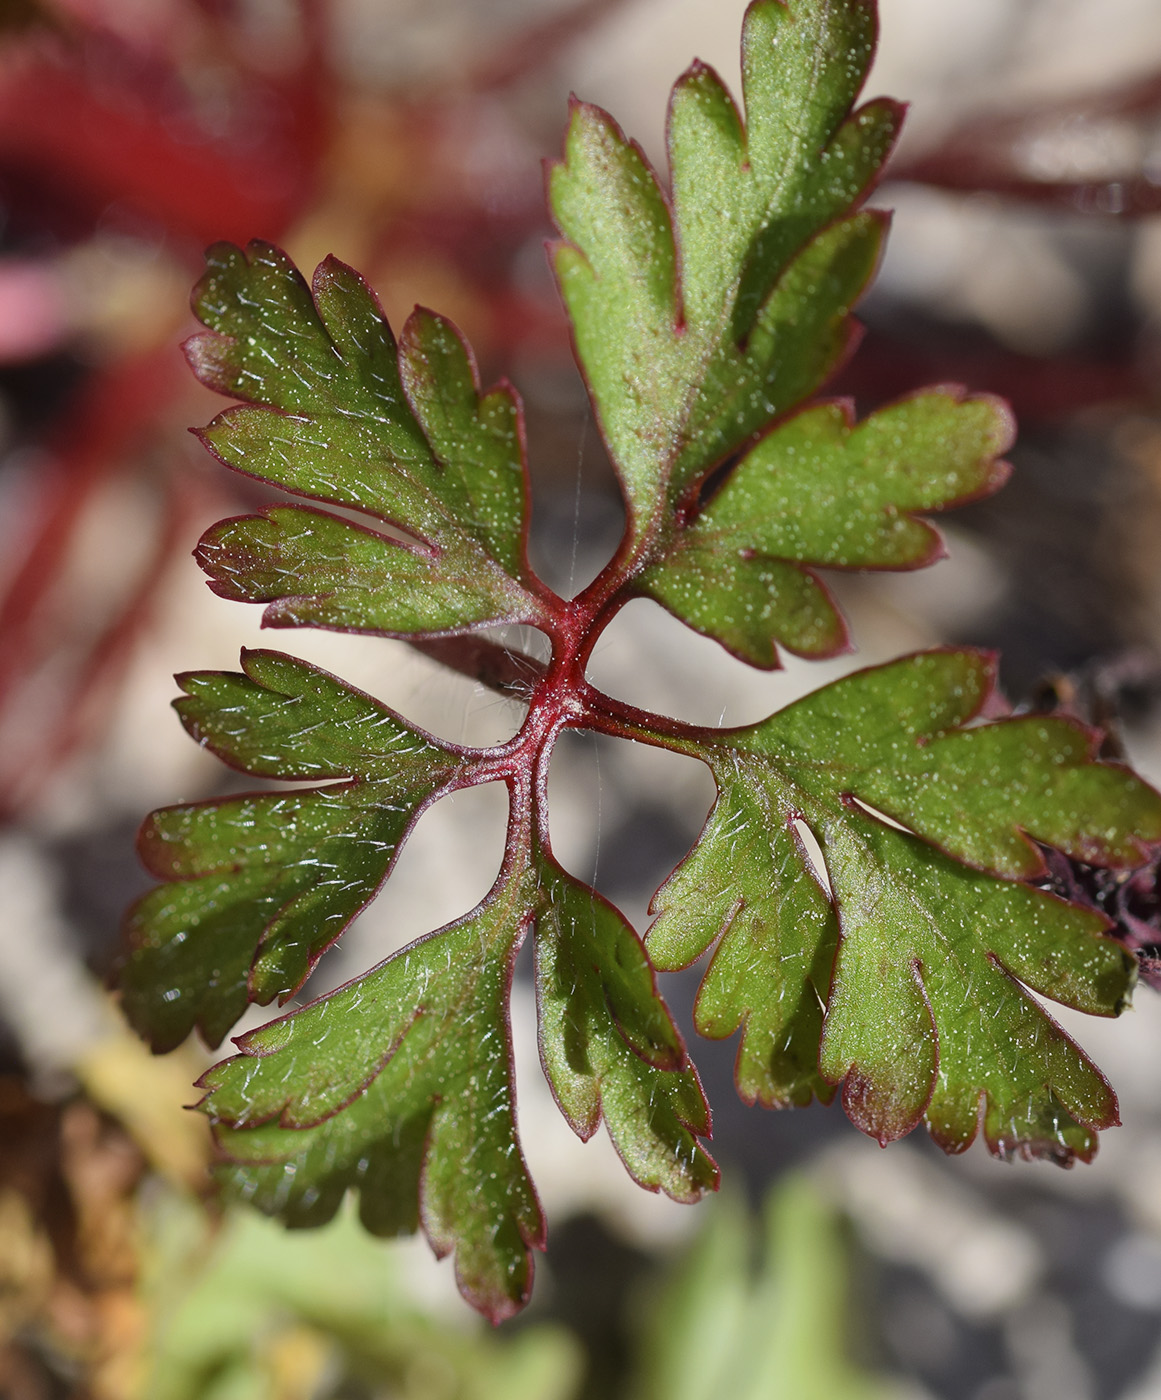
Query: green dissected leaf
point(770, 974)
point(608, 1045)
point(820, 490)
point(315, 570)
point(399, 1084)
point(696, 324)
point(258, 886)
point(403, 434)
point(926, 1016)
point(901, 968)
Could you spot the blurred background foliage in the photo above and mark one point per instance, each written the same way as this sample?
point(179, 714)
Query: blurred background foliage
point(406, 138)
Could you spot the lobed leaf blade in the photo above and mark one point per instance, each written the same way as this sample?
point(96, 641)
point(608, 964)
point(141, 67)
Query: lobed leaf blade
point(926, 1014)
point(608, 1045)
point(747, 887)
point(821, 491)
point(477, 438)
point(696, 323)
point(313, 569)
point(893, 736)
point(401, 432)
point(285, 718)
point(256, 887)
point(406, 1096)
point(964, 1033)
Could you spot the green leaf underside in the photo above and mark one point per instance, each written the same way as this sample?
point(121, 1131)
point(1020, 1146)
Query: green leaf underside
point(924, 1016)
point(696, 326)
point(399, 1085)
point(258, 886)
point(401, 433)
point(819, 490)
point(608, 1045)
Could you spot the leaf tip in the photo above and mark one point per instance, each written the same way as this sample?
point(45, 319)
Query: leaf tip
point(332, 270)
point(877, 1108)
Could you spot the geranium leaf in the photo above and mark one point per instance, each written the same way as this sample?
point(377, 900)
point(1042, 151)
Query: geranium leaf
point(893, 736)
point(925, 1014)
point(696, 325)
point(402, 433)
point(315, 570)
point(478, 439)
point(258, 886)
point(866, 885)
point(608, 1045)
point(284, 718)
point(748, 882)
point(927, 1018)
point(819, 490)
point(399, 1085)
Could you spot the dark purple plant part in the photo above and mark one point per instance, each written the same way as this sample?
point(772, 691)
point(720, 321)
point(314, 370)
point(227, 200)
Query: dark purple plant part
point(1129, 899)
point(704, 318)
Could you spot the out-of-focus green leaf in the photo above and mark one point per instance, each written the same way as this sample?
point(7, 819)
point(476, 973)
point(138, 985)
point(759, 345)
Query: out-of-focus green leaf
point(222, 1302)
point(771, 1327)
